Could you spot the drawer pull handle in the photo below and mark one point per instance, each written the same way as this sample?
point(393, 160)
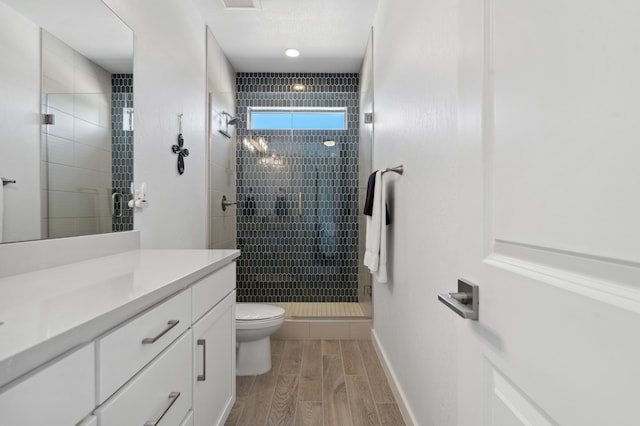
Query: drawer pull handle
point(173, 397)
point(150, 340)
point(202, 377)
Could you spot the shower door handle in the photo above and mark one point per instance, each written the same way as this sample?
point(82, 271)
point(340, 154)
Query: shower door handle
point(300, 203)
point(116, 200)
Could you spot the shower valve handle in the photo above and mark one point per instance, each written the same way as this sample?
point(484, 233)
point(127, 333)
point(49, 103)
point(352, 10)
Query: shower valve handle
point(226, 203)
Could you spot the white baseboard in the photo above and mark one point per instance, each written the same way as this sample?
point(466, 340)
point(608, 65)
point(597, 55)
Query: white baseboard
point(407, 415)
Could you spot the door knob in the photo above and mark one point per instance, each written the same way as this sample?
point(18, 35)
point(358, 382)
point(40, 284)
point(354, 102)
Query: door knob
point(464, 302)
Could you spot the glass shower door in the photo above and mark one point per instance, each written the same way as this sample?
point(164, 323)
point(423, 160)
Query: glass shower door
point(298, 202)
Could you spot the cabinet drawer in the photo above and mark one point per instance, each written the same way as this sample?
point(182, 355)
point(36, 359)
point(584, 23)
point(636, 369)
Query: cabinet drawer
point(61, 394)
point(210, 290)
point(161, 389)
point(122, 353)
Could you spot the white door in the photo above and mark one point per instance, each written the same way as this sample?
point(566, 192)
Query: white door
point(550, 212)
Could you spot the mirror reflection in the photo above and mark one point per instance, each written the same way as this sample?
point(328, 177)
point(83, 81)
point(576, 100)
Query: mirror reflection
point(72, 161)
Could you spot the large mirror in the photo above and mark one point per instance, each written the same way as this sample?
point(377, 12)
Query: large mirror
point(66, 119)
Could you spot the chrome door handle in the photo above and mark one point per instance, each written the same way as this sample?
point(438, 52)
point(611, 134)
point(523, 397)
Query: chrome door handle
point(300, 203)
point(202, 377)
point(464, 302)
point(151, 340)
point(173, 397)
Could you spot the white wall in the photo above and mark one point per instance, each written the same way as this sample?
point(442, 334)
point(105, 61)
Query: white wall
point(20, 125)
point(221, 86)
point(170, 79)
point(415, 84)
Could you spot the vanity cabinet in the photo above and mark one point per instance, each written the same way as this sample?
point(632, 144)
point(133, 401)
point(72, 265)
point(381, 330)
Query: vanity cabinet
point(214, 363)
point(158, 349)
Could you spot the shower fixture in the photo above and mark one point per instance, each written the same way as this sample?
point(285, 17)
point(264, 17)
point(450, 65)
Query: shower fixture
point(229, 120)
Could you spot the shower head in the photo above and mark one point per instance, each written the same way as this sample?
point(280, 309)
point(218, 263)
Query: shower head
point(229, 119)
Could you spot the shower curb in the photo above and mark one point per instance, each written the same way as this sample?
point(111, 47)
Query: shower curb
point(319, 328)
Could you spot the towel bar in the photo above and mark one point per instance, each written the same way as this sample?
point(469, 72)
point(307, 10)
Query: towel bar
point(398, 169)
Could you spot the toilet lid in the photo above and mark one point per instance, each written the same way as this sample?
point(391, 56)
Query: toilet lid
point(257, 311)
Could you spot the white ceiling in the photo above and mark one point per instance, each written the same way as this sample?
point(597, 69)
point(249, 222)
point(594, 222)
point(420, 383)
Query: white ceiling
point(330, 34)
point(86, 25)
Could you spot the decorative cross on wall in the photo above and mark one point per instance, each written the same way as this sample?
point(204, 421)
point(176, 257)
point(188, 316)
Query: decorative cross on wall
point(179, 148)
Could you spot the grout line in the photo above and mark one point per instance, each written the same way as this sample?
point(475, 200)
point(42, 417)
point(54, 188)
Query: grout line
point(243, 404)
point(366, 374)
point(322, 383)
point(346, 387)
point(273, 392)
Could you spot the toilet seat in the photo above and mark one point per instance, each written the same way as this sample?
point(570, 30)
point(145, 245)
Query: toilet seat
point(257, 312)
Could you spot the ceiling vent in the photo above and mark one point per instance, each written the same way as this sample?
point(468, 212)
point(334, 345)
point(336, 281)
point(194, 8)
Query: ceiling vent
point(241, 4)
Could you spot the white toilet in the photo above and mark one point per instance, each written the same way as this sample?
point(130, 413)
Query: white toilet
point(255, 323)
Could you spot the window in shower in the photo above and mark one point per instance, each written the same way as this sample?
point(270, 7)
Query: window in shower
point(303, 118)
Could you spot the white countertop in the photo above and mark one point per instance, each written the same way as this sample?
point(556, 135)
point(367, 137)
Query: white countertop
point(51, 311)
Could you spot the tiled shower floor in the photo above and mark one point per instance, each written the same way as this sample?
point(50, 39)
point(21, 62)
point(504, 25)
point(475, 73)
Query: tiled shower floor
point(315, 310)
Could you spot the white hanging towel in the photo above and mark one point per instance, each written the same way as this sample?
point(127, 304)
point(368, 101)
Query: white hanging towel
point(375, 256)
point(381, 274)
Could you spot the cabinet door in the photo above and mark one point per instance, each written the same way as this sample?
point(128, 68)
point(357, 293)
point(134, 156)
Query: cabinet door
point(214, 340)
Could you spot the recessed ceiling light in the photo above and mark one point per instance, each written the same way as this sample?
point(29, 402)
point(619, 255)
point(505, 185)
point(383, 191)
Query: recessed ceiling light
point(292, 53)
point(329, 143)
point(298, 87)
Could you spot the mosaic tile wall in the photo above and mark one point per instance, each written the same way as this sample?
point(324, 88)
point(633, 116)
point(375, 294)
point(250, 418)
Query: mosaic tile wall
point(288, 256)
point(122, 147)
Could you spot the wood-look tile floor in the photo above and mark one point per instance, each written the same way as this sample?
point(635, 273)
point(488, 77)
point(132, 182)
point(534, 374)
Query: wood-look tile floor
point(317, 383)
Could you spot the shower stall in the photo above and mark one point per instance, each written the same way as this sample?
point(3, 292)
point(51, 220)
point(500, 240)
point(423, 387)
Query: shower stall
point(298, 193)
